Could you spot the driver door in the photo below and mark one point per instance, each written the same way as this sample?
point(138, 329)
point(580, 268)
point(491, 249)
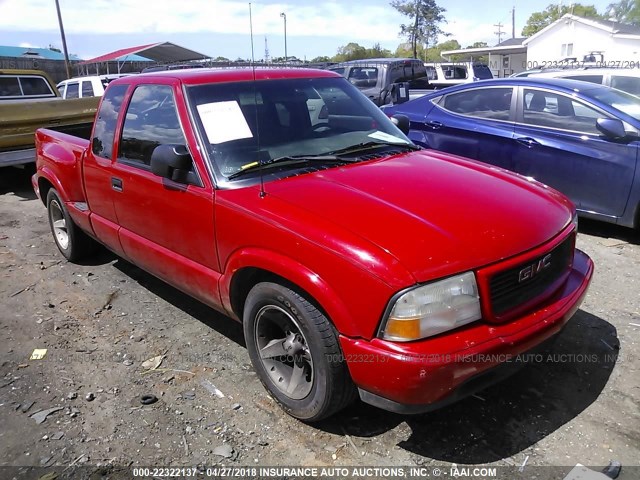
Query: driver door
point(167, 227)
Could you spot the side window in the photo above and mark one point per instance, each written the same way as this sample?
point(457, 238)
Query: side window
point(9, 87)
point(87, 89)
point(151, 120)
point(35, 86)
point(489, 103)
point(105, 127)
point(432, 74)
point(548, 109)
point(73, 90)
point(61, 88)
point(339, 70)
point(626, 84)
point(586, 78)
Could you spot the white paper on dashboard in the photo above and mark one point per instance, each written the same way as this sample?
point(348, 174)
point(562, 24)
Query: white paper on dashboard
point(385, 137)
point(224, 121)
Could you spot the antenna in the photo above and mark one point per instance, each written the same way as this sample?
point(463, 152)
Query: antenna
point(255, 101)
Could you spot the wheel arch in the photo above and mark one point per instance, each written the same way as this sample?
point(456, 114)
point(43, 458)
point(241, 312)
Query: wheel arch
point(249, 268)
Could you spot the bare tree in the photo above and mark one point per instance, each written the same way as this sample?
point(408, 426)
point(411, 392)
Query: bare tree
point(426, 17)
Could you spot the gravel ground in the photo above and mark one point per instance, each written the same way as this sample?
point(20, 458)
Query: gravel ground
point(101, 321)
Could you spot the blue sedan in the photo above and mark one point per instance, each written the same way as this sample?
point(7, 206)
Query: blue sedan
point(579, 138)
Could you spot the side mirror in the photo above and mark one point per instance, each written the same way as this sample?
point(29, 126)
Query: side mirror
point(611, 127)
point(402, 122)
point(399, 93)
point(173, 162)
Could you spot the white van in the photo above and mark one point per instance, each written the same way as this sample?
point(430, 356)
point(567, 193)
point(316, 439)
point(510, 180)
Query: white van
point(81, 87)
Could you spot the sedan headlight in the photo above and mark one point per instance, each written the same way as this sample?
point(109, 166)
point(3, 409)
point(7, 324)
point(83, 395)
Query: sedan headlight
point(434, 308)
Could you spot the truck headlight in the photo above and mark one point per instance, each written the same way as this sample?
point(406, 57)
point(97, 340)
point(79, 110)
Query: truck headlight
point(434, 308)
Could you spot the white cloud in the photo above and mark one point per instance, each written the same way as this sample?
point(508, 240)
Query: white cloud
point(466, 32)
point(323, 19)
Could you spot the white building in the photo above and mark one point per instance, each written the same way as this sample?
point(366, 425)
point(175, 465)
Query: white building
point(570, 37)
point(578, 38)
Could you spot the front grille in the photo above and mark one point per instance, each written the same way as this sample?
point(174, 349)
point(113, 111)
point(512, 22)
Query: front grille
point(523, 283)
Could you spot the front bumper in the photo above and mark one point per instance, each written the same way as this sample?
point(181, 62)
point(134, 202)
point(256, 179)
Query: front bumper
point(424, 375)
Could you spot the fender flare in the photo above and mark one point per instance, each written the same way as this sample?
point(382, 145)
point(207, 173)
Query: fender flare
point(294, 272)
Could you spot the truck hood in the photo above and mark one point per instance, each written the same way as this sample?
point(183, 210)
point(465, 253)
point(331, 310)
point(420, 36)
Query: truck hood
point(437, 214)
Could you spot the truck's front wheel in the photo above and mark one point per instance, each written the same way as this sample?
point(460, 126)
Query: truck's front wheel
point(296, 353)
point(72, 242)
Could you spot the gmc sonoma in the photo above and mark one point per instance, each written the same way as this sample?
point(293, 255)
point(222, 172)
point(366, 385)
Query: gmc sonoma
point(357, 263)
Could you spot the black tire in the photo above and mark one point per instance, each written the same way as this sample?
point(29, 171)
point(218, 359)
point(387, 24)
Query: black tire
point(72, 242)
point(304, 370)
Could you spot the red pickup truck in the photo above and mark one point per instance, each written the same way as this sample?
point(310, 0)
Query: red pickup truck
point(357, 263)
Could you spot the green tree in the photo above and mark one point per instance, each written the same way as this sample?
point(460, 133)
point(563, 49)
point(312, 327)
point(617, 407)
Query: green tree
point(425, 19)
point(354, 51)
point(478, 45)
point(625, 11)
point(539, 20)
point(321, 59)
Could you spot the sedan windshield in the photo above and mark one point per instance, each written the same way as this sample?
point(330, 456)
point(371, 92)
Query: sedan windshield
point(625, 102)
point(247, 124)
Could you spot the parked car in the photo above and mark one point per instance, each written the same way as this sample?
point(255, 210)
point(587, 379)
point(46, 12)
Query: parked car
point(446, 74)
point(91, 86)
point(29, 100)
point(383, 79)
point(579, 138)
point(358, 263)
point(625, 79)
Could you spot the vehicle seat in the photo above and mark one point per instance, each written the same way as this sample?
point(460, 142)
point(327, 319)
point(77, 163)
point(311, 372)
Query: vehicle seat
point(538, 102)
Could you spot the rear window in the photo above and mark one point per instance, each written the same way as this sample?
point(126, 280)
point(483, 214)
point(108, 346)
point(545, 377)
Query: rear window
point(586, 78)
point(482, 72)
point(24, 86)
point(626, 84)
point(363, 77)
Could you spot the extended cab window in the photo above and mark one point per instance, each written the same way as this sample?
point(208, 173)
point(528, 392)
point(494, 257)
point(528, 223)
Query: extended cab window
point(490, 103)
point(35, 86)
point(151, 120)
point(105, 127)
point(548, 109)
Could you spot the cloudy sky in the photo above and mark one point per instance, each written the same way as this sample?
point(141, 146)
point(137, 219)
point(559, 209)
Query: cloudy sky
point(221, 27)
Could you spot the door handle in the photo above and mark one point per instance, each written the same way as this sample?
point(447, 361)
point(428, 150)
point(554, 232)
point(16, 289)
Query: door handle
point(116, 184)
point(434, 125)
point(527, 142)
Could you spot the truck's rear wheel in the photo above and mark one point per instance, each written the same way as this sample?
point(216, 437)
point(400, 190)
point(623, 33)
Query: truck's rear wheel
point(295, 351)
point(72, 242)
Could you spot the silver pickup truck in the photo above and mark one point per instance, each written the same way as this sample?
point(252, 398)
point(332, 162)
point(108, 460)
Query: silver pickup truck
point(386, 80)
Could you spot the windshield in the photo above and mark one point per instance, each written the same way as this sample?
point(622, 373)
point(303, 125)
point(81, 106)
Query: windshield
point(244, 124)
point(625, 102)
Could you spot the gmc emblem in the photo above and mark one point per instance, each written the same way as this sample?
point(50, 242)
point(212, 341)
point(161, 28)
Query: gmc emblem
point(531, 271)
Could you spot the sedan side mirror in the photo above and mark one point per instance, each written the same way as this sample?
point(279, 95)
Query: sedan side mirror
point(173, 162)
point(402, 122)
point(611, 127)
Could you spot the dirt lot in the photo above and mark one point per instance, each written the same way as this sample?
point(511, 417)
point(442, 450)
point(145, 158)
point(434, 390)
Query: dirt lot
point(100, 321)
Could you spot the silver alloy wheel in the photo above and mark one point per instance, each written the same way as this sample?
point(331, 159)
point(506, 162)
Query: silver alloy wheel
point(284, 352)
point(59, 224)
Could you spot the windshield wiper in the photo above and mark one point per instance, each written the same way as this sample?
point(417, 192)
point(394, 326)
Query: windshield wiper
point(288, 159)
point(360, 147)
